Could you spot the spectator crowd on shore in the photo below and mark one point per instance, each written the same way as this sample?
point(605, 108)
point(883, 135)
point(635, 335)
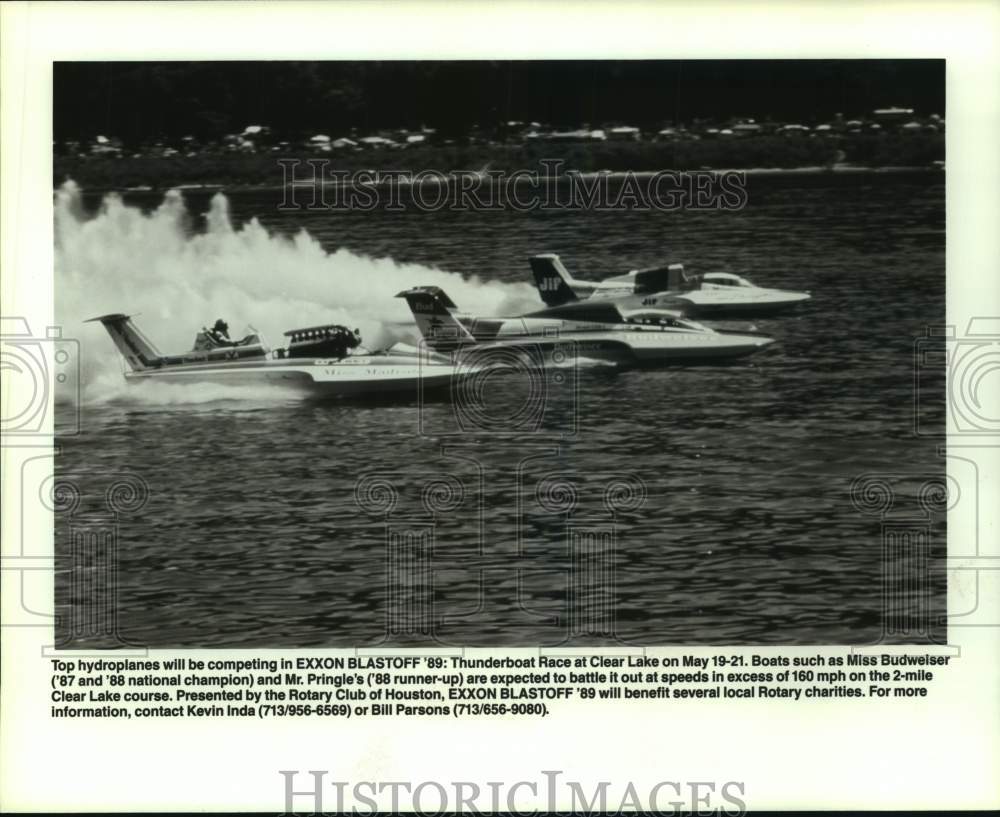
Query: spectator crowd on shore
point(264, 138)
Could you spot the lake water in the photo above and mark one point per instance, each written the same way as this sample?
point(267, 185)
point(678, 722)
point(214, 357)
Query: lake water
point(694, 505)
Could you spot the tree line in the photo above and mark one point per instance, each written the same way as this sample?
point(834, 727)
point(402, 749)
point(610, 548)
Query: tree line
point(140, 102)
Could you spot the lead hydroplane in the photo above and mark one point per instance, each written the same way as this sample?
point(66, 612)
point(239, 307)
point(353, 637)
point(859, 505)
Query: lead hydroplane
point(604, 330)
point(710, 295)
point(318, 360)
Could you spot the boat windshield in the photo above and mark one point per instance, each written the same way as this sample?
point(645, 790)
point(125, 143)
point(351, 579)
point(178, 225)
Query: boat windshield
point(726, 279)
point(591, 312)
point(660, 319)
point(208, 341)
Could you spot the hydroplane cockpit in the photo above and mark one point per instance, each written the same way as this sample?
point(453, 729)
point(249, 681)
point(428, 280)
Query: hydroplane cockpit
point(210, 340)
point(661, 319)
point(725, 279)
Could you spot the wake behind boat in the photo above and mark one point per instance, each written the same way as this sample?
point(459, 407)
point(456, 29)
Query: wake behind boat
point(319, 360)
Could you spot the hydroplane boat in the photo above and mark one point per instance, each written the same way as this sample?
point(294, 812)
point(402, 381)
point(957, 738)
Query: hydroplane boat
point(711, 295)
point(319, 360)
point(604, 331)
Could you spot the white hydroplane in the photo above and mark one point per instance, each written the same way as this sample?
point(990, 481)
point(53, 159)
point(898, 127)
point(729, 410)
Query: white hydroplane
point(318, 361)
point(603, 331)
point(713, 294)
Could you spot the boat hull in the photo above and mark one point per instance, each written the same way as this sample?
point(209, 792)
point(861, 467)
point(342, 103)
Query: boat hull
point(360, 376)
point(715, 304)
point(714, 347)
point(625, 348)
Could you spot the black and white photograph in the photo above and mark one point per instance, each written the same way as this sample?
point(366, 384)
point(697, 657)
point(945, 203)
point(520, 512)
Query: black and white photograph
point(417, 407)
point(507, 353)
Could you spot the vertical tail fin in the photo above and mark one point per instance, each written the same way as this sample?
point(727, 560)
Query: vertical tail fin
point(676, 278)
point(552, 279)
point(434, 311)
point(138, 351)
point(670, 277)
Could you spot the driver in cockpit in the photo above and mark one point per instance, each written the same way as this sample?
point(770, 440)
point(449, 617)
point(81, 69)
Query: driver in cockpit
point(219, 333)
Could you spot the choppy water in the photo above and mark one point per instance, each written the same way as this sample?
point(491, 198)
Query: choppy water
point(724, 492)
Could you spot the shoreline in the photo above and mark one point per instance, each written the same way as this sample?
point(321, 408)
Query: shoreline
point(805, 170)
